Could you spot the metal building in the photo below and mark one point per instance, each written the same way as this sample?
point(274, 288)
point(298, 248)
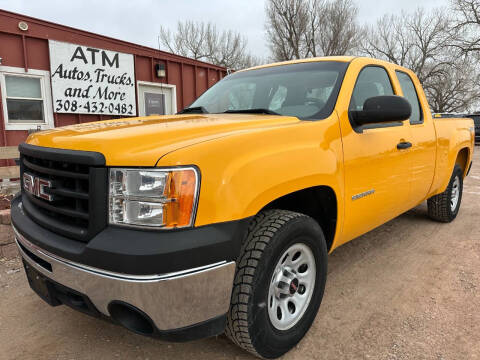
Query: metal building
point(53, 75)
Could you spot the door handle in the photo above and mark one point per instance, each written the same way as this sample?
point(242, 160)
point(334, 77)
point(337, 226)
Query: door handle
point(404, 145)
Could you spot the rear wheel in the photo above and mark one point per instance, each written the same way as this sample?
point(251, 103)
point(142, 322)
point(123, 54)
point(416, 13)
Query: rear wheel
point(279, 283)
point(444, 207)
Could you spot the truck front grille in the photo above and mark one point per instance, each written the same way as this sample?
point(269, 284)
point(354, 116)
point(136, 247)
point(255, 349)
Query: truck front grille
point(77, 187)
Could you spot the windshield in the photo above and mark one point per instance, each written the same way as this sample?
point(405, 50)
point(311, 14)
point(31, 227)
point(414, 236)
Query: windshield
point(305, 90)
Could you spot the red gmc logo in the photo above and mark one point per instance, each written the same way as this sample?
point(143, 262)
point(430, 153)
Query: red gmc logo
point(36, 186)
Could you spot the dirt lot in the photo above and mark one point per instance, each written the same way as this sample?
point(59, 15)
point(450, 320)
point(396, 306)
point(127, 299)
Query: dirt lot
point(407, 290)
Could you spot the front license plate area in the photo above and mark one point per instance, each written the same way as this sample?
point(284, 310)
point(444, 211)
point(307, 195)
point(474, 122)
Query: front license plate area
point(39, 283)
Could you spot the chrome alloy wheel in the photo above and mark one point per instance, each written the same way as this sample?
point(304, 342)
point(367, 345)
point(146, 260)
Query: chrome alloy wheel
point(455, 193)
point(291, 286)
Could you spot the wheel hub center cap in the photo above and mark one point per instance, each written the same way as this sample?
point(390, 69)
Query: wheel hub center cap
point(293, 286)
point(286, 283)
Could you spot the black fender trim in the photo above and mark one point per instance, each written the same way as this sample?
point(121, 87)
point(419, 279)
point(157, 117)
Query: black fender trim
point(469, 168)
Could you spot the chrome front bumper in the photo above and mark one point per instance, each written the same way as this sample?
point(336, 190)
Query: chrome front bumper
point(172, 301)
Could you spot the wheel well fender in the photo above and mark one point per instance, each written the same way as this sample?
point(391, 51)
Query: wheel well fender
point(318, 202)
point(462, 159)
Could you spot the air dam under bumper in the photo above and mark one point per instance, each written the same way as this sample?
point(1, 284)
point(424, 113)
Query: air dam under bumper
point(175, 302)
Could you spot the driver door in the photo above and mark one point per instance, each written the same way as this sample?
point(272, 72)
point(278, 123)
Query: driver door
point(376, 171)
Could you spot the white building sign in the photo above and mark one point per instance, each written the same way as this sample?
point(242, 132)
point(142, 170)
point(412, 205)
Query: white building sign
point(87, 80)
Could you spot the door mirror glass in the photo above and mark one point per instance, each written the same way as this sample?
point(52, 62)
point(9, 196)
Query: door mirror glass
point(382, 109)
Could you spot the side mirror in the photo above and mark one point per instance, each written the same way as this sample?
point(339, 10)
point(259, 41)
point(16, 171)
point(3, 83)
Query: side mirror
point(380, 109)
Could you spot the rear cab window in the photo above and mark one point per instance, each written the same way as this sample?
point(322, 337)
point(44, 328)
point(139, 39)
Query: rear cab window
point(410, 93)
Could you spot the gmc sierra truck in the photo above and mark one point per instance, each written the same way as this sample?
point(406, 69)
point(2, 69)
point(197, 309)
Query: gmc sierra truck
point(220, 218)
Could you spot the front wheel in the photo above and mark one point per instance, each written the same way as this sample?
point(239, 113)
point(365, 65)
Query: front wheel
point(279, 283)
point(444, 207)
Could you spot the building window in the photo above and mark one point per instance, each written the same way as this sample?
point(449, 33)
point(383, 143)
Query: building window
point(26, 99)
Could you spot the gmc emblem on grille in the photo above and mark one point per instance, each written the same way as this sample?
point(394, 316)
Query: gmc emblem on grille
point(36, 186)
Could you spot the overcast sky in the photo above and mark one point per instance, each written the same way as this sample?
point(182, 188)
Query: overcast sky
point(139, 21)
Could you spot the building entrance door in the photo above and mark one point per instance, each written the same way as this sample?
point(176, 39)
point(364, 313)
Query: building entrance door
point(156, 99)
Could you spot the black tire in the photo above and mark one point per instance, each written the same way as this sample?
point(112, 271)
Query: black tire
point(270, 234)
point(439, 206)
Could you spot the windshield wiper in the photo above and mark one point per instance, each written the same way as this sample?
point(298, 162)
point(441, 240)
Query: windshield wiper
point(194, 110)
point(252, 111)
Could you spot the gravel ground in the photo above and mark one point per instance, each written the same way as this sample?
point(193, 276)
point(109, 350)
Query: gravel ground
point(407, 290)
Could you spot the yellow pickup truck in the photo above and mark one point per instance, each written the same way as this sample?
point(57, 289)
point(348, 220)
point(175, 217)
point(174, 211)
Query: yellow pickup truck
point(220, 218)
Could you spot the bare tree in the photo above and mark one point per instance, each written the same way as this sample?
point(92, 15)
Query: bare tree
point(455, 88)
point(337, 32)
point(286, 27)
point(189, 40)
point(467, 22)
point(304, 28)
point(203, 41)
point(423, 42)
point(418, 41)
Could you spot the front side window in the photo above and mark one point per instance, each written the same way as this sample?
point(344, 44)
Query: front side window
point(304, 90)
point(408, 89)
point(372, 81)
point(24, 99)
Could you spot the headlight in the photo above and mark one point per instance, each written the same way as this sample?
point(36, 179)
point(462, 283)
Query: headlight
point(153, 197)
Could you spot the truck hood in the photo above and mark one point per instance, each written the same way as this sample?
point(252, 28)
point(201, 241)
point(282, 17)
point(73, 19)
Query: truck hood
point(142, 141)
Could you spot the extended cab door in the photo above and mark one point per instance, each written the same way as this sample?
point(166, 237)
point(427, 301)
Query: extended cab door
point(423, 138)
point(376, 156)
